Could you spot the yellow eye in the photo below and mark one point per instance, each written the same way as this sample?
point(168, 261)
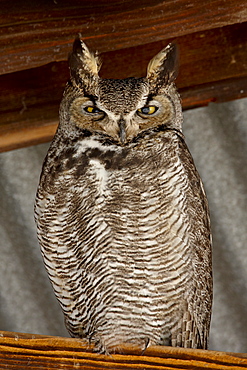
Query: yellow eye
point(148, 110)
point(91, 109)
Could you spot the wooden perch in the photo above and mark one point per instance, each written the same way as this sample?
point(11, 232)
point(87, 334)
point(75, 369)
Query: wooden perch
point(26, 351)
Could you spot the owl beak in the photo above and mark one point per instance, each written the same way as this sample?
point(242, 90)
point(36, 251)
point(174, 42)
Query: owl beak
point(122, 130)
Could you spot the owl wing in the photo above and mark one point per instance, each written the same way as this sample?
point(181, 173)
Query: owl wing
point(196, 321)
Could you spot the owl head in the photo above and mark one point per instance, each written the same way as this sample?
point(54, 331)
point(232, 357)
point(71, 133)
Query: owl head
point(120, 109)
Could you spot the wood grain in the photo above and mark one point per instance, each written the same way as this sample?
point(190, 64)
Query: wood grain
point(26, 351)
point(34, 33)
point(213, 68)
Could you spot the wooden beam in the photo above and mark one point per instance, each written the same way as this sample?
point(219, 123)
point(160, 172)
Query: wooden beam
point(218, 92)
point(212, 69)
point(37, 33)
point(22, 351)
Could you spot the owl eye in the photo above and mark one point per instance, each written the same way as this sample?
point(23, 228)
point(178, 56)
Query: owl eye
point(92, 109)
point(148, 110)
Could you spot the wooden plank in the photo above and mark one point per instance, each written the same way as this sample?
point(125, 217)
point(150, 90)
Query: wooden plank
point(20, 137)
point(205, 56)
point(37, 33)
point(218, 92)
point(22, 351)
point(213, 68)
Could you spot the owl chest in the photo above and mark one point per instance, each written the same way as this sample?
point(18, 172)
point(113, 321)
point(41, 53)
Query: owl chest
point(137, 193)
point(126, 182)
point(126, 214)
point(135, 197)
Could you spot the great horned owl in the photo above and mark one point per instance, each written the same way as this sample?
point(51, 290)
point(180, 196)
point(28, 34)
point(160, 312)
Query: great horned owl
point(121, 212)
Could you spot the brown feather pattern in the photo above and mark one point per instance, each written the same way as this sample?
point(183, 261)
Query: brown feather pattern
point(124, 227)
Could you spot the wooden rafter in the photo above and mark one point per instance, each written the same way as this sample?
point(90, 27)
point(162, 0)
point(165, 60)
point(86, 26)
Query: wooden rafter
point(36, 33)
point(35, 39)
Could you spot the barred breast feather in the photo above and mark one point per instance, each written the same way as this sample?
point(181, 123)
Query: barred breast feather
point(123, 255)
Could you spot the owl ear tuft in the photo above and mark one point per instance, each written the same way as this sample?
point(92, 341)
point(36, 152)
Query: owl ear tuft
point(163, 68)
point(83, 64)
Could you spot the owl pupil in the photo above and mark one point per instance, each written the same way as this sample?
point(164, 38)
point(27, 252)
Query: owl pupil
point(146, 110)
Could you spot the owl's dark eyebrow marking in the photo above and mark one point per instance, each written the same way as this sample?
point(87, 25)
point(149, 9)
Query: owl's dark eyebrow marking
point(149, 98)
point(93, 98)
